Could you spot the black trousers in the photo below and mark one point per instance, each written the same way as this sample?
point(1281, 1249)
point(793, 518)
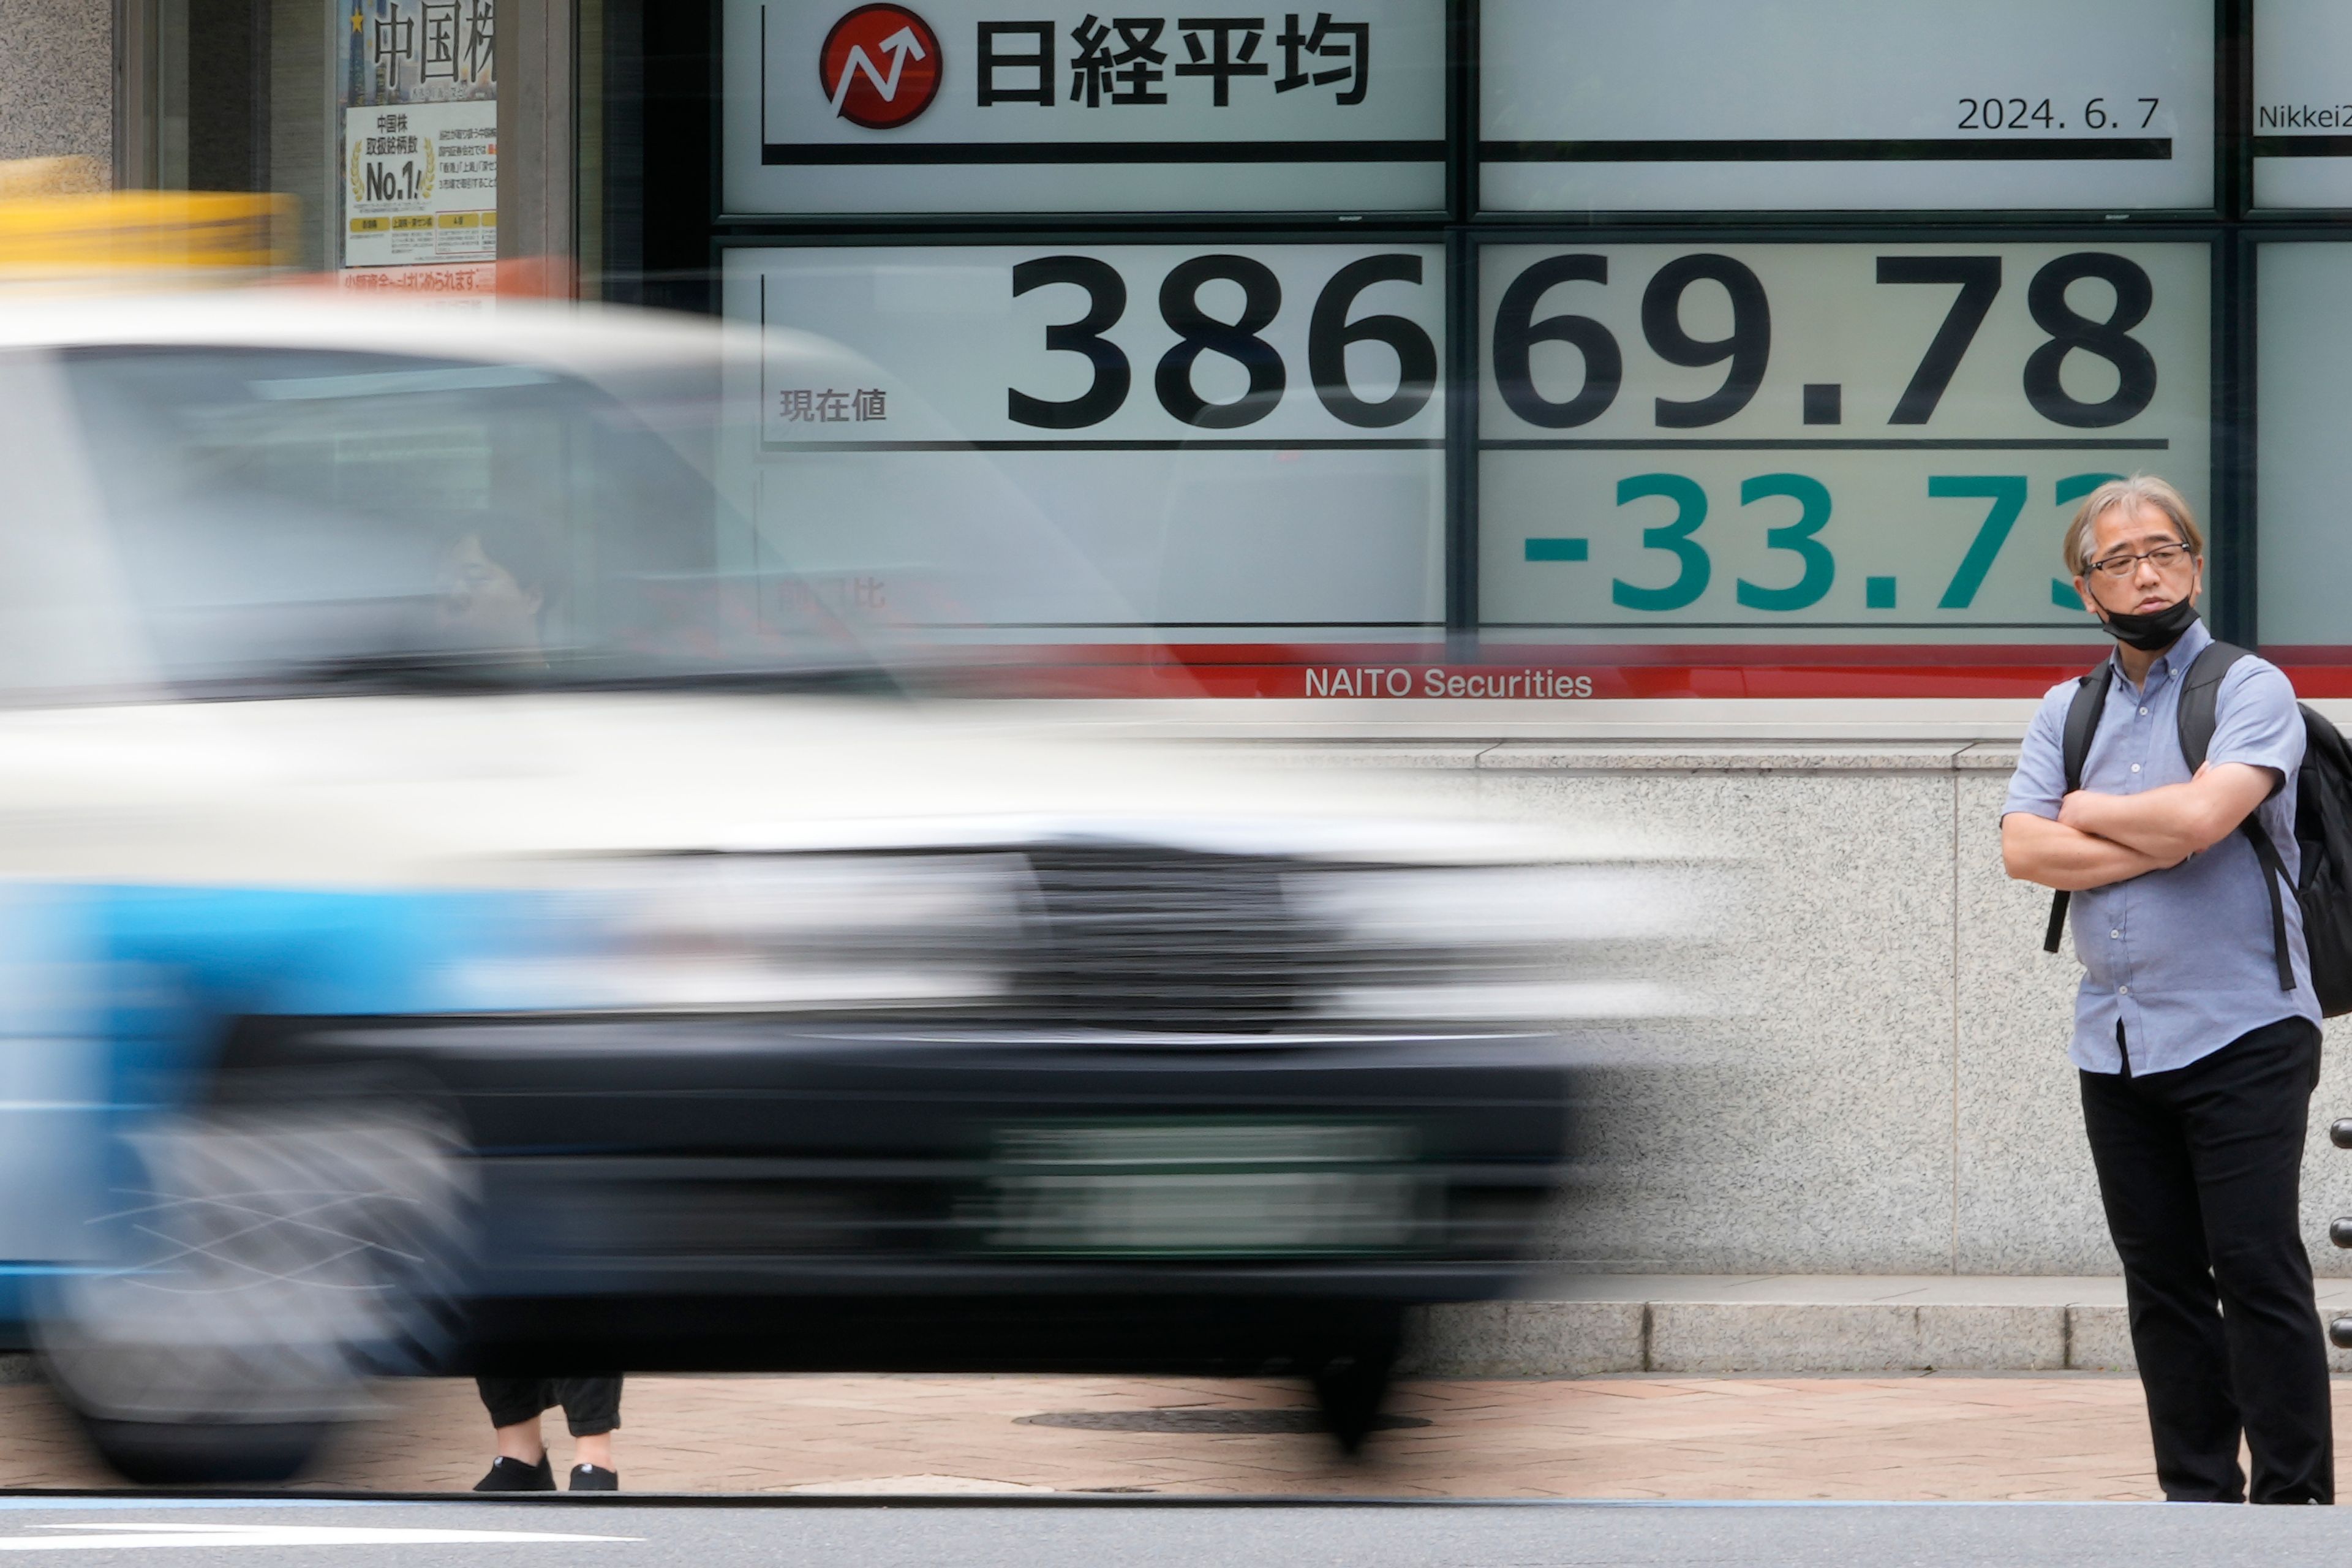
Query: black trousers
point(592, 1405)
point(2200, 1170)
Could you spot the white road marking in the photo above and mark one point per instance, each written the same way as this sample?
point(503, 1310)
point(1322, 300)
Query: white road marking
point(119, 1536)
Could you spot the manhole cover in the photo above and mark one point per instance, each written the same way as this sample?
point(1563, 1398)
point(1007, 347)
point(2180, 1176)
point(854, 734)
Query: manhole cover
point(1203, 1420)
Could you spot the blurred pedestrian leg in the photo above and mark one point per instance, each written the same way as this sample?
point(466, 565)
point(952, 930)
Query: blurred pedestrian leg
point(591, 1409)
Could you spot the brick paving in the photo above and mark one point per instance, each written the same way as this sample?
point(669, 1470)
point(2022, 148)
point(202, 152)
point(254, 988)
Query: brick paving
point(2066, 1436)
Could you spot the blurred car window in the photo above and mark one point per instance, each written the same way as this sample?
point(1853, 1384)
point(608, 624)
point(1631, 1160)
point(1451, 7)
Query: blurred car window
point(293, 517)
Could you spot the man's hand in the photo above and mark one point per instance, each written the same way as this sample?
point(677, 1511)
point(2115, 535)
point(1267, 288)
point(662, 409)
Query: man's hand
point(2177, 821)
point(2057, 854)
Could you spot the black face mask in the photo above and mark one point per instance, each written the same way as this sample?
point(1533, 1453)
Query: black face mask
point(2150, 634)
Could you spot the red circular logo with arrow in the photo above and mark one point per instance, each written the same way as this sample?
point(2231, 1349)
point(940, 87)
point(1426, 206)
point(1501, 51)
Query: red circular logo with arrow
point(880, 67)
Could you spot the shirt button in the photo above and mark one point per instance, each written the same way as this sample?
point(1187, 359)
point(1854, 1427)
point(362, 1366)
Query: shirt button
point(2123, 990)
point(2114, 933)
point(2135, 767)
point(2143, 713)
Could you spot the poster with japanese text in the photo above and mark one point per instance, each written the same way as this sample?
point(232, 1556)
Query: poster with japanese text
point(419, 180)
point(423, 183)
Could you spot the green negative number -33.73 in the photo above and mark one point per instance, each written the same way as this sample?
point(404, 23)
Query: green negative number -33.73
point(1812, 571)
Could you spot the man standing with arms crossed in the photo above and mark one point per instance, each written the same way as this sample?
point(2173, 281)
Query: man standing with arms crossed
point(2196, 1066)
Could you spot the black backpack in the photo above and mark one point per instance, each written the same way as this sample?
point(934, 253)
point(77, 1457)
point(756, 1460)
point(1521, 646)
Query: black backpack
point(2323, 821)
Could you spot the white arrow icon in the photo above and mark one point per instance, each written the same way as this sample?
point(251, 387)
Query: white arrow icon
point(119, 1536)
point(898, 46)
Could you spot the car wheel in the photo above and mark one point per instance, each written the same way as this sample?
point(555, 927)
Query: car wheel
point(166, 1454)
point(259, 1261)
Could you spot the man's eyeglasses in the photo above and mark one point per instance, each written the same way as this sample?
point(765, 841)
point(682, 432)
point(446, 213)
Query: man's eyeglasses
point(2164, 558)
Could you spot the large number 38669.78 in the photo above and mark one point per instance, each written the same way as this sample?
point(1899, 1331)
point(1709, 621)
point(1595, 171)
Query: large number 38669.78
point(1746, 351)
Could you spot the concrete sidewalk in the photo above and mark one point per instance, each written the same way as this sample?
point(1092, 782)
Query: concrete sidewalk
point(1626, 1387)
point(1580, 1325)
point(2068, 1435)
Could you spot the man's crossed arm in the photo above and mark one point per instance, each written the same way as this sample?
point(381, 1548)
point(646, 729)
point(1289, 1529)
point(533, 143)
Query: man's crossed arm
point(2102, 839)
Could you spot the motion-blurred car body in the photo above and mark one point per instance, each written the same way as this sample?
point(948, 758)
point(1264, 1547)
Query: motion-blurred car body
point(467, 908)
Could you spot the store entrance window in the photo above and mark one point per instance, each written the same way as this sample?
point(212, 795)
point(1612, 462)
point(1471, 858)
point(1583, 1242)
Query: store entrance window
point(377, 118)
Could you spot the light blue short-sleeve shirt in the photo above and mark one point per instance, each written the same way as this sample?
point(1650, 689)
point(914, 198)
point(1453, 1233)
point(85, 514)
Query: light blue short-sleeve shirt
point(2182, 958)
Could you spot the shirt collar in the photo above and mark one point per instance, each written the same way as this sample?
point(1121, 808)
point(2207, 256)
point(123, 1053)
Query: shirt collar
point(2180, 656)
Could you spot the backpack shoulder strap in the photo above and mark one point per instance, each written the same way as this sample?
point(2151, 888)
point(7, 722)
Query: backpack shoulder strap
point(2201, 693)
point(2200, 689)
point(2082, 723)
point(2083, 719)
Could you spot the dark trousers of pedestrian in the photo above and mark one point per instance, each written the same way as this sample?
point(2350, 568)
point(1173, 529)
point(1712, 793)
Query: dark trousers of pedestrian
point(592, 1405)
point(2200, 1170)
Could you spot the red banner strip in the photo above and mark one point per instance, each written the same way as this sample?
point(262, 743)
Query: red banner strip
point(1546, 674)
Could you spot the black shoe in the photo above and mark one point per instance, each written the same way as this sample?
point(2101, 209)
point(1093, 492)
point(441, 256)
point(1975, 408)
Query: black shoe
point(514, 1475)
point(594, 1478)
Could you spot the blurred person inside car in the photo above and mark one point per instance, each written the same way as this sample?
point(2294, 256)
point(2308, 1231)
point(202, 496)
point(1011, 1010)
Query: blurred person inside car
point(495, 579)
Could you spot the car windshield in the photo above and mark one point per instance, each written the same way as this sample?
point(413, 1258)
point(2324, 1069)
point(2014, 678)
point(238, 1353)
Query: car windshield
point(286, 518)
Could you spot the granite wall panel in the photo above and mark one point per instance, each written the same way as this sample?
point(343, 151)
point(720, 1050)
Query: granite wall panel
point(1806, 1126)
point(56, 79)
point(1881, 1084)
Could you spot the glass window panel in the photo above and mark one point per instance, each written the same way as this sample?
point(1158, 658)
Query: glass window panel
point(288, 517)
point(2302, 104)
point(2303, 473)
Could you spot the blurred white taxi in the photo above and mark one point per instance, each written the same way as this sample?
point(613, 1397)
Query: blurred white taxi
point(465, 907)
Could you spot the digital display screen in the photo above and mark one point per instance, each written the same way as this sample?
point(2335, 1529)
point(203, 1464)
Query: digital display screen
point(1076, 441)
point(1701, 442)
point(977, 106)
point(1594, 105)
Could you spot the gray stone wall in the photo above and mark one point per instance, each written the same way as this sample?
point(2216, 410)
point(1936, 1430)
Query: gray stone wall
point(1886, 1089)
point(56, 79)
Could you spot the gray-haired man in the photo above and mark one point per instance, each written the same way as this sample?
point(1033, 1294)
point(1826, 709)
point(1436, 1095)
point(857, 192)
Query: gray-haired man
point(2196, 1066)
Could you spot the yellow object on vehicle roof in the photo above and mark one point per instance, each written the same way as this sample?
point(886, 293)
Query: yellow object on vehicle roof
point(54, 224)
